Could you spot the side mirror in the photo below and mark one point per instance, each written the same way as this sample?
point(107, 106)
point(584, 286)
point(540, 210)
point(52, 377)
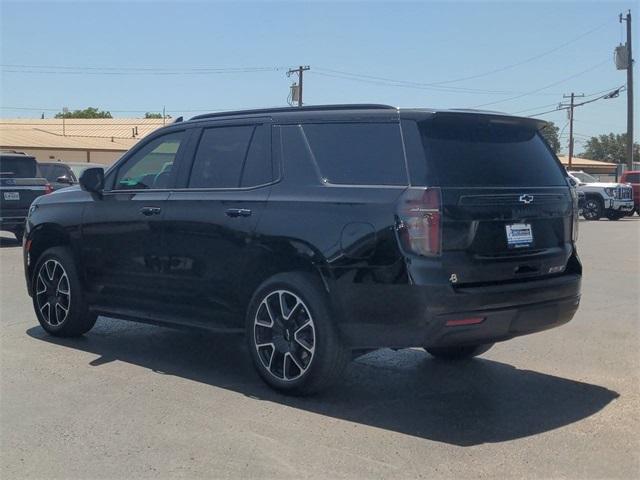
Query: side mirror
point(64, 179)
point(92, 180)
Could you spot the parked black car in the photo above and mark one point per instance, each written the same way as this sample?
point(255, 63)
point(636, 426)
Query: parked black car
point(20, 183)
point(319, 232)
point(58, 174)
point(63, 174)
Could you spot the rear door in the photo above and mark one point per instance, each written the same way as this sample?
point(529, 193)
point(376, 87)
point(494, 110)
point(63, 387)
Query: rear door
point(211, 220)
point(507, 207)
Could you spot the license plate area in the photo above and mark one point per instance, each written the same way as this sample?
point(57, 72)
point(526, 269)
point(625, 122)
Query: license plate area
point(11, 195)
point(519, 235)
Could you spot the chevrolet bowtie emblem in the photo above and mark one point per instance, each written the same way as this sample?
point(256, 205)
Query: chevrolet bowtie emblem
point(526, 199)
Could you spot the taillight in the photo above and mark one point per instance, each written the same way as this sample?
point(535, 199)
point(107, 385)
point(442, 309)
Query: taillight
point(575, 200)
point(420, 221)
point(48, 188)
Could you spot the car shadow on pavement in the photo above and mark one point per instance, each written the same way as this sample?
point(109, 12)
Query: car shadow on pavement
point(464, 403)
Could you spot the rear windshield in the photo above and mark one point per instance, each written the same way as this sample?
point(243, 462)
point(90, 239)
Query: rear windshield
point(486, 153)
point(18, 167)
point(632, 178)
point(53, 172)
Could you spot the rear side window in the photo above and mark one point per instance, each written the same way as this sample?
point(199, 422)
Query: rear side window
point(257, 168)
point(358, 153)
point(18, 167)
point(220, 157)
point(486, 153)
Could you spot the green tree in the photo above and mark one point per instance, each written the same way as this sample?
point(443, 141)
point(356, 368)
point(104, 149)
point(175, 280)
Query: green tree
point(550, 132)
point(89, 112)
point(152, 115)
point(611, 148)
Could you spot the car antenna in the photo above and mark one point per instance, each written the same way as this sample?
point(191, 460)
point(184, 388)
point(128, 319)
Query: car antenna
point(177, 120)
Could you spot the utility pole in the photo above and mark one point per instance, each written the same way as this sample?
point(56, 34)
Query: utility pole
point(627, 19)
point(300, 70)
point(570, 111)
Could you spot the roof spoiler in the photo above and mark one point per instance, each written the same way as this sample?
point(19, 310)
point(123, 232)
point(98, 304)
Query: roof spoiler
point(497, 117)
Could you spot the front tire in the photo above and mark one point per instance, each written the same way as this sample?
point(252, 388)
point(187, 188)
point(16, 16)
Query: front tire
point(593, 208)
point(58, 299)
point(459, 353)
point(19, 234)
point(293, 342)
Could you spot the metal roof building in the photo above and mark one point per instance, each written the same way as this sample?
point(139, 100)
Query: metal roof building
point(101, 140)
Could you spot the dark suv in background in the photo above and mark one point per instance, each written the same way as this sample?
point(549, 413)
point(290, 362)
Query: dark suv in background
point(319, 232)
point(20, 183)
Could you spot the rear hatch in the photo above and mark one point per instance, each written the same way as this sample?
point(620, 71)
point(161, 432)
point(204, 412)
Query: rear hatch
point(506, 206)
point(20, 184)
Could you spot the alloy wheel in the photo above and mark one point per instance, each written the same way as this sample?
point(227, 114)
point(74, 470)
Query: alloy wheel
point(591, 209)
point(53, 293)
point(284, 335)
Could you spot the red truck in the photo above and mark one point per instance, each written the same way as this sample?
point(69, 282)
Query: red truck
point(632, 177)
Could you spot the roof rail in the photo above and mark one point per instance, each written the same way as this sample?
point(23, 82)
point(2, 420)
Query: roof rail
point(309, 108)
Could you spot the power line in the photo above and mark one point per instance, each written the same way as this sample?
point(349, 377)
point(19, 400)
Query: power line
point(553, 84)
point(158, 73)
point(401, 84)
point(146, 68)
point(460, 79)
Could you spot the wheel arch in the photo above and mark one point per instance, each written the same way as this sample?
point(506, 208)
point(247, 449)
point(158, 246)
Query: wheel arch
point(285, 255)
point(43, 237)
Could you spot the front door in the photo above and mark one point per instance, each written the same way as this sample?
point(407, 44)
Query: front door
point(122, 232)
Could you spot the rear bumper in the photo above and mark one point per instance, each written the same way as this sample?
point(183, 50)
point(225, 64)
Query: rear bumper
point(377, 316)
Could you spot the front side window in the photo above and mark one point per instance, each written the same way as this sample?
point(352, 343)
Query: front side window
point(584, 177)
point(152, 166)
point(220, 157)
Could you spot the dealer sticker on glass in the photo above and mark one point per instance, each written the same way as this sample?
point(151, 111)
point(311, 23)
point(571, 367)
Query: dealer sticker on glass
point(519, 235)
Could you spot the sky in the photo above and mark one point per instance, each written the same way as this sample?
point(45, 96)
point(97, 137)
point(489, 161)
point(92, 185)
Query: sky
point(192, 57)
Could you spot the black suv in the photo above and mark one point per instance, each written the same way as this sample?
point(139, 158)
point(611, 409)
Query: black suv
point(320, 232)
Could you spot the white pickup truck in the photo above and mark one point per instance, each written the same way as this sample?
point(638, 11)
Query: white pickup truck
point(602, 199)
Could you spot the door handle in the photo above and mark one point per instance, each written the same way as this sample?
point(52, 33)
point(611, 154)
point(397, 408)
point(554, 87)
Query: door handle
point(238, 212)
point(148, 211)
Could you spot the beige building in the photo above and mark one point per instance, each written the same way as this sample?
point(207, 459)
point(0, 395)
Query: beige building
point(102, 140)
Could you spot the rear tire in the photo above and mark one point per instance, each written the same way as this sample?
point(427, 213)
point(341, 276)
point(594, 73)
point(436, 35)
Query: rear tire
point(593, 208)
point(58, 299)
point(459, 353)
point(19, 234)
point(293, 342)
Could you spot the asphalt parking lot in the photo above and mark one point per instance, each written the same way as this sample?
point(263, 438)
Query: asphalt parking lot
point(131, 401)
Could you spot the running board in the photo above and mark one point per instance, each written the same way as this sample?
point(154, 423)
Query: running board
point(163, 320)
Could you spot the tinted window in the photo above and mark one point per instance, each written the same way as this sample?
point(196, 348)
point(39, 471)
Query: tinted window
point(484, 153)
point(632, 178)
point(18, 167)
point(151, 166)
point(79, 169)
point(257, 168)
point(220, 156)
point(51, 172)
point(358, 153)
